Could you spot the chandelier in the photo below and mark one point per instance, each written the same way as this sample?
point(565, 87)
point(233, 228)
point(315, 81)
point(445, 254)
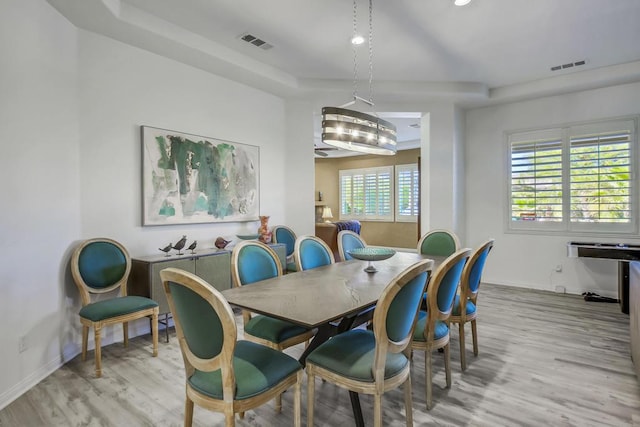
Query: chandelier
point(354, 130)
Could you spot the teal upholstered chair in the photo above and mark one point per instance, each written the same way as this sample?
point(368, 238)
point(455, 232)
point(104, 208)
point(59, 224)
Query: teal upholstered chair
point(432, 330)
point(348, 240)
point(223, 374)
point(439, 243)
point(252, 261)
point(99, 266)
point(374, 362)
point(469, 286)
point(283, 234)
point(311, 252)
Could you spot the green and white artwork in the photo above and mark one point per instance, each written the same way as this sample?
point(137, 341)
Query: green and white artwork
point(188, 179)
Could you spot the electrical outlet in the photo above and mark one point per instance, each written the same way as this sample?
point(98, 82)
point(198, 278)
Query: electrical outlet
point(558, 268)
point(22, 344)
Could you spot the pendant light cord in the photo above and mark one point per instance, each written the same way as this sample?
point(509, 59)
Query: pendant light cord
point(371, 51)
point(355, 52)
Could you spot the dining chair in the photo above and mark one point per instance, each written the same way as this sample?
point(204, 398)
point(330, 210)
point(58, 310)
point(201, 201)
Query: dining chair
point(348, 240)
point(223, 374)
point(99, 266)
point(432, 330)
point(284, 234)
point(468, 298)
point(375, 361)
point(252, 261)
point(311, 252)
point(439, 243)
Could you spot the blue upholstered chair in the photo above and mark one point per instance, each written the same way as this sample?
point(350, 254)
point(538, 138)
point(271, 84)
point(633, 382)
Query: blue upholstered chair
point(223, 374)
point(432, 330)
point(374, 362)
point(311, 252)
point(99, 266)
point(439, 243)
point(252, 261)
point(348, 240)
point(283, 234)
point(469, 286)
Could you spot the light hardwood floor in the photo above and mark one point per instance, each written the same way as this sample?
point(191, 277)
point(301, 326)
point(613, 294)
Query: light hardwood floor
point(545, 360)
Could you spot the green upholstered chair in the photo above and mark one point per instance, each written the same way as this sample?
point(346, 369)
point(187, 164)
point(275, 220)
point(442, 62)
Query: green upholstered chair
point(432, 330)
point(222, 373)
point(99, 266)
point(311, 252)
point(374, 361)
point(469, 286)
point(348, 240)
point(283, 234)
point(439, 243)
point(252, 261)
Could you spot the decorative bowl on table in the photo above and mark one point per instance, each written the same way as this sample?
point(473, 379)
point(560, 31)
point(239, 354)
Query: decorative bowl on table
point(247, 236)
point(371, 254)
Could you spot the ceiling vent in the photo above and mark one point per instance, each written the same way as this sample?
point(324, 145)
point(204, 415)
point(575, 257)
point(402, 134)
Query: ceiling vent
point(568, 65)
point(415, 125)
point(250, 38)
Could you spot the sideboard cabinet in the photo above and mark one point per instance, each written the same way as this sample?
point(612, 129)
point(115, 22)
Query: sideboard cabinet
point(213, 266)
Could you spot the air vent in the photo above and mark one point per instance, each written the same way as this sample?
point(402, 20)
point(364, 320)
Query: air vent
point(250, 38)
point(415, 125)
point(568, 65)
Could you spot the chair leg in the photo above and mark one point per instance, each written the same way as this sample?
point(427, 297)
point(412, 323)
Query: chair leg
point(229, 418)
point(408, 407)
point(279, 403)
point(188, 412)
point(463, 360)
point(154, 333)
point(311, 388)
point(447, 365)
point(428, 376)
point(125, 333)
point(85, 339)
point(97, 329)
point(377, 410)
point(297, 404)
point(474, 333)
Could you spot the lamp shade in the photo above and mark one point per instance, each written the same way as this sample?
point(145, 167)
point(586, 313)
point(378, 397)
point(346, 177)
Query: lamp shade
point(326, 213)
point(357, 131)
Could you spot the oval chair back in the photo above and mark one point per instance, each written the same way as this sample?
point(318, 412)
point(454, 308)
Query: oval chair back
point(439, 243)
point(432, 331)
point(467, 311)
point(252, 261)
point(283, 234)
point(348, 240)
point(207, 333)
point(311, 252)
point(103, 265)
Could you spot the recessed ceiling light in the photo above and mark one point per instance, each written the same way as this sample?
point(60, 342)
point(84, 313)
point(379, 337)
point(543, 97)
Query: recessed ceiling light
point(357, 39)
point(462, 2)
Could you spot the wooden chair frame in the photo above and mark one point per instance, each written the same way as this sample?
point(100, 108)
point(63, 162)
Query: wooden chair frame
point(246, 315)
point(85, 294)
point(383, 345)
point(433, 314)
point(467, 294)
point(436, 231)
point(341, 234)
point(224, 360)
point(300, 240)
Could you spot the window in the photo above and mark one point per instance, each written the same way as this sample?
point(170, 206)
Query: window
point(407, 185)
point(575, 178)
point(366, 194)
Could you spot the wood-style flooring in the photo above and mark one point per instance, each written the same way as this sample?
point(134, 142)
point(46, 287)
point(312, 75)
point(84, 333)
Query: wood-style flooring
point(545, 359)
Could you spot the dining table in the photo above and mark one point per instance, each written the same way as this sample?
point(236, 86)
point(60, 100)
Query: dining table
point(332, 298)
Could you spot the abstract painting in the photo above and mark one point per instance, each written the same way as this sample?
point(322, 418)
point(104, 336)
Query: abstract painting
point(188, 179)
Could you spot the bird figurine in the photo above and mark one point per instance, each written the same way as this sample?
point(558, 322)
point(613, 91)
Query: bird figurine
point(192, 246)
point(180, 244)
point(221, 243)
point(166, 249)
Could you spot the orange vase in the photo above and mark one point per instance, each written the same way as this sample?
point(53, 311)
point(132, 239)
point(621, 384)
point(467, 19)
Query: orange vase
point(264, 232)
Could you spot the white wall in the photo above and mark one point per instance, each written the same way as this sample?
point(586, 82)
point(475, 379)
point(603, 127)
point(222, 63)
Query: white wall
point(40, 208)
point(529, 260)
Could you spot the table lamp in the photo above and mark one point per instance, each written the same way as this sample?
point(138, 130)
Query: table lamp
point(326, 214)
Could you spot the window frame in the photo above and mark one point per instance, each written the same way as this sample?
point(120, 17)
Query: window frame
point(567, 132)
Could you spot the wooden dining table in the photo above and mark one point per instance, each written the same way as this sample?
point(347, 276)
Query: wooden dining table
point(333, 298)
